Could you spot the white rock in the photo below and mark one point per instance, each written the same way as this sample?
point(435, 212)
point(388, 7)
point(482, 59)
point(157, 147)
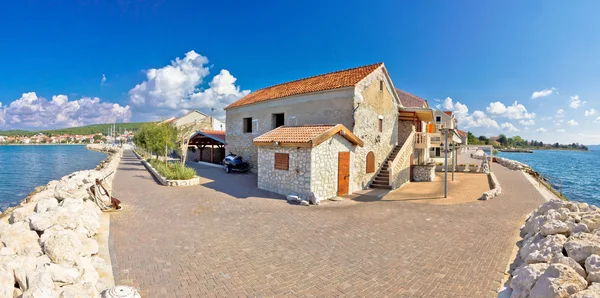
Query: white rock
point(592, 291)
point(63, 247)
point(89, 273)
point(524, 278)
point(292, 198)
point(42, 221)
point(46, 204)
point(64, 275)
point(539, 249)
point(592, 266)
point(554, 227)
point(571, 263)
point(87, 290)
point(578, 228)
point(304, 203)
point(40, 285)
point(558, 281)
point(21, 213)
point(582, 245)
point(7, 251)
point(72, 204)
point(21, 239)
point(89, 246)
point(7, 283)
point(70, 189)
point(592, 220)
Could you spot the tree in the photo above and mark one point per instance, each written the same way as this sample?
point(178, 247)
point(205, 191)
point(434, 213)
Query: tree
point(483, 139)
point(502, 139)
point(471, 139)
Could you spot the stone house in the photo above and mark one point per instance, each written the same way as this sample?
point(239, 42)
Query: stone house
point(443, 120)
point(198, 119)
point(360, 101)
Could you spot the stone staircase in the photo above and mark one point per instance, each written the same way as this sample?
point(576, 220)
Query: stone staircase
point(382, 180)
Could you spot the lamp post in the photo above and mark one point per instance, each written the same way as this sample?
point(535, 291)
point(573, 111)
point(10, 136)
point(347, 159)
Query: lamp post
point(446, 165)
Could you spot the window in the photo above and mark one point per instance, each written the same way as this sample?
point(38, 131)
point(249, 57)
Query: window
point(438, 151)
point(370, 162)
point(282, 161)
point(380, 125)
point(380, 85)
point(278, 120)
point(247, 125)
point(438, 119)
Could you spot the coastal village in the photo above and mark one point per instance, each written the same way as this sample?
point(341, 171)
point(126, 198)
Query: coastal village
point(41, 138)
point(332, 185)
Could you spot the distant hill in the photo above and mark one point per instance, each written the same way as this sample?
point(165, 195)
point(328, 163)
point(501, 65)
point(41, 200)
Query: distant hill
point(82, 130)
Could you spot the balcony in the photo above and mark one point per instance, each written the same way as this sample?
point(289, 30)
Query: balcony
point(422, 140)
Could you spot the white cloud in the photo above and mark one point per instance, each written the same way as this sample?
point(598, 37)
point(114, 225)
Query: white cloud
point(508, 127)
point(597, 120)
point(542, 93)
point(31, 111)
point(572, 122)
point(514, 111)
point(575, 102)
point(175, 88)
point(590, 112)
point(103, 81)
point(466, 120)
point(560, 113)
point(541, 129)
point(560, 130)
point(527, 122)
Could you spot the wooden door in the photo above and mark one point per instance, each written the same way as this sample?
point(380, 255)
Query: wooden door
point(412, 164)
point(343, 173)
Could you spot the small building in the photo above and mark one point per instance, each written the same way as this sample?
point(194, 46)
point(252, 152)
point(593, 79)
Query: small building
point(207, 146)
point(198, 119)
point(306, 159)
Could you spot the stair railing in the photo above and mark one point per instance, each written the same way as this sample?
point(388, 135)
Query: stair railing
point(409, 143)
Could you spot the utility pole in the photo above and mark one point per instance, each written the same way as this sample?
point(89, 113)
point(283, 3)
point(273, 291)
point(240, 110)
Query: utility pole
point(446, 165)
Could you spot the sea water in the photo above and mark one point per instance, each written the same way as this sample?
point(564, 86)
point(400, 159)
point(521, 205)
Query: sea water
point(23, 168)
point(577, 171)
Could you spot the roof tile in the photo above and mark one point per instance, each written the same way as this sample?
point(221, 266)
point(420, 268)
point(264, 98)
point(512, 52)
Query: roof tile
point(328, 81)
point(410, 101)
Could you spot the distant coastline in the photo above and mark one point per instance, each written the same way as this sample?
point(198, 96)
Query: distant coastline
point(79, 144)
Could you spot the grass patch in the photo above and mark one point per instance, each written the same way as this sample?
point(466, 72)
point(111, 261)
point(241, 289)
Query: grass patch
point(173, 171)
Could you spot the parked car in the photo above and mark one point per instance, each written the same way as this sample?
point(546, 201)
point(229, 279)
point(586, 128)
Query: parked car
point(234, 162)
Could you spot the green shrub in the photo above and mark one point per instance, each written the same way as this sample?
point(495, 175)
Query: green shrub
point(173, 171)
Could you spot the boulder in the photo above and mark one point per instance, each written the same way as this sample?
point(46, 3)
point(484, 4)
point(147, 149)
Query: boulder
point(592, 266)
point(40, 285)
point(63, 247)
point(46, 204)
point(78, 290)
point(591, 220)
point(571, 263)
point(554, 227)
point(558, 281)
point(592, 291)
point(578, 228)
point(524, 278)
point(89, 246)
point(21, 239)
point(70, 189)
point(42, 221)
point(21, 213)
point(539, 249)
point(73, 205)
point(582, 245)
point(64, 275)
point(7, 283)
point(89, 273)
point(552, 205)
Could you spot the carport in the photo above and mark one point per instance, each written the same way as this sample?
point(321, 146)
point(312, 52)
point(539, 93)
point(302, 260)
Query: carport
point(210, 144)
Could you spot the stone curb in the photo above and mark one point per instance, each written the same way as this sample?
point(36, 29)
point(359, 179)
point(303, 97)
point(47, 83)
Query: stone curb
point(164, 181)
point(496, 189)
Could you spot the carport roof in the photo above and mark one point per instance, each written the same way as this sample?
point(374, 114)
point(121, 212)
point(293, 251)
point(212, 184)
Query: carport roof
point(305, 135)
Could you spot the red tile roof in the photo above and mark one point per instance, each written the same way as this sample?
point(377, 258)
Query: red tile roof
point(410, 101)
point(460, 132)
point(217, 135)
point(328, 81)
point(305, 135)
point(449, 113)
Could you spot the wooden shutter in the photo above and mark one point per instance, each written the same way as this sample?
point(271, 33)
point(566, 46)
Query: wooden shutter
point(282, 161)
point(370, 162)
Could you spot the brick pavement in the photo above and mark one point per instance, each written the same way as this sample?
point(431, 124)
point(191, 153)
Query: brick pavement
point(225, 238)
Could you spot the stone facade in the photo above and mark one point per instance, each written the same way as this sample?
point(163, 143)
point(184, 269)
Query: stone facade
point(324, 166)
point(424, 173)
point(296, 180)
point(311, 170)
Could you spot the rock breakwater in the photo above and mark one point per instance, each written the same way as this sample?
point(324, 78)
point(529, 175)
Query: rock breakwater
point(559, 255)
point(47, 243)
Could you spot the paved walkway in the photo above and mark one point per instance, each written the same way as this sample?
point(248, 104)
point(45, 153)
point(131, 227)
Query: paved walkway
point(226, 238)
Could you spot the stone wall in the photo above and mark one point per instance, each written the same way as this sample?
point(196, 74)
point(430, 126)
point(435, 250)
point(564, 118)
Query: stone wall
point(330, 107)
point(324, 166)
point(405, 128)
point(401, 171)
point(376, 104)
point(424, 173)
point(511, 164)
point(296, 180)
point(495, 190)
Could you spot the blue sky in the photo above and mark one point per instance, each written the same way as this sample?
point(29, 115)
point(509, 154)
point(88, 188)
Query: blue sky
point(476, 53)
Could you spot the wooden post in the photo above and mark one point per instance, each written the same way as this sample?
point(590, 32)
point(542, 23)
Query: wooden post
point(212, 151)
point(201, 152)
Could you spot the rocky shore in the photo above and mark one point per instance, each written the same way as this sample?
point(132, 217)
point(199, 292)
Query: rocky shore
point(48, 245)
point(559, 255)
